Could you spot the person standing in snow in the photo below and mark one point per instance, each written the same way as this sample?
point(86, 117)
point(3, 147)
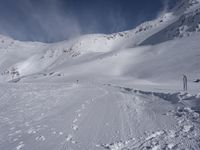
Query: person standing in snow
point(184, 83)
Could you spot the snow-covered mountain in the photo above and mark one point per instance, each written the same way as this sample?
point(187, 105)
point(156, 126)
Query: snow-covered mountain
point(25, 59)
point(91, 92)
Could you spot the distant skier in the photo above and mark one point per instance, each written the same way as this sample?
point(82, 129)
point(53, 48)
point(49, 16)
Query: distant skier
point(185, 83)
point(77, 81)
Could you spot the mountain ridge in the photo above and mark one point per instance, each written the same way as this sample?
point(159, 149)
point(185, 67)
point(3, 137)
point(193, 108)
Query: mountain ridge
point(34, 57)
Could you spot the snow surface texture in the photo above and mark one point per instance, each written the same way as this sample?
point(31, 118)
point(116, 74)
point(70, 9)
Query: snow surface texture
point(118, 92)
point(70, 116)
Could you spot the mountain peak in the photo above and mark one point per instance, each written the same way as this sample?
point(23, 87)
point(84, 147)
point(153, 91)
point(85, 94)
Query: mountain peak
point(183, 5)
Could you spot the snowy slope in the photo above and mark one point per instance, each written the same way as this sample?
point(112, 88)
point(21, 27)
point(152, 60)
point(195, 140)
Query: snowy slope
point(54, 53)
point(33, 58)
point(95, 116)
point(116, 92)
point(186, 25)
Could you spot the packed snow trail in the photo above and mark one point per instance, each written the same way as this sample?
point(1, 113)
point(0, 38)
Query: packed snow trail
point(92, 116)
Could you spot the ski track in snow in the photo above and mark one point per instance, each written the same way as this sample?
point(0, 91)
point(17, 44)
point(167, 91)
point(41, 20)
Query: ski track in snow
point(112, 129)
point(80, 112)
point(185, 136)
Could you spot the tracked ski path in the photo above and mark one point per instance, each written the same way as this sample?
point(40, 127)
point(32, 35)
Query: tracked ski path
point(92, 116)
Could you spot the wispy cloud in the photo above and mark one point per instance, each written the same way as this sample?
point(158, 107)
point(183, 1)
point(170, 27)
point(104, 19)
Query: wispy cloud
point(165, 8)
point(44, 21)
point(56, 20)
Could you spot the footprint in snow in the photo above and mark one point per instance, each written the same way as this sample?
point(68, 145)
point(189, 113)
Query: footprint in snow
point(18, 131)
point(31, 131)
point(74, 127)
point(69, 138)
point(15, 139)
point(20, 146)
point(75, 120)
point(40, 138)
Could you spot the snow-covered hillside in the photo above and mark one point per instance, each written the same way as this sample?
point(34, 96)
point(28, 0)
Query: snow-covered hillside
point(117, 92)
point(36, 58)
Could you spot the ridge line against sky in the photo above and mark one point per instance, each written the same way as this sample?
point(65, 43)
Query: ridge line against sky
point(57, 20)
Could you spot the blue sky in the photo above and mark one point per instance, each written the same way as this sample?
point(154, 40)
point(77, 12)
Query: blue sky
point(55, 20)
